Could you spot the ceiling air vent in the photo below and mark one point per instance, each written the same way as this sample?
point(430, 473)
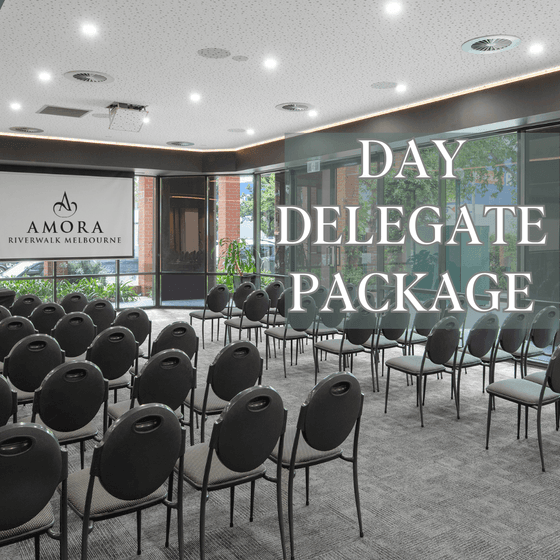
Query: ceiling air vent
point(180, 143)
point(88, 76)
point(384, 85)
point(294, 107)
point(62, 111)
point(213, 52)
point(27, 129)
point(491, 44)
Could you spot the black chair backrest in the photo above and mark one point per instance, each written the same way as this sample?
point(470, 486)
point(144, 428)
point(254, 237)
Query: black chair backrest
point(70, 396)
point(102, 313)
point(7, 297)
point(217, 298)
point(553, 371)
point(45, 316)
point(514, 330)
point(334, 318)
point(274, 290)
point(424, 321)
point(544, 327)
point(248, 429)
point(330, 411)
point(31, 359)
point(76, 301)
point(24, 305)
point(235, 368)
point(113, 351)
point(74, 332)
point(166, 378)
point(302, 320)
point(241, 293)
point(4, 312)
point(443, 340)
point(32, 466)
point(461, 316)
point(8, 401)
point(12, 330)
point(256, 305)
point(482, 335)
point(137, 320)
point(179, 335)
point(359, 326)
point(320, 296)
point(393, 324)
point(139, 451)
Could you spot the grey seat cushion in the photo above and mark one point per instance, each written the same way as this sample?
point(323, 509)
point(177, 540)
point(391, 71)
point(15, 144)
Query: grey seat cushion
point(533, 351)
point(199, 314)
point(333, 346)
point(23, 396)
point(411, 364)
point(468, 360)
point(383, 343)
point(273, 320)
point(321, 330)
point(64, 438)
point(42, 521)
point(102, 502)
point(214, 405)
point(120, 382)
point(501, 356)
point(291, 334)
point(236, 323)
point(537, 377)
point(522, 391)
point(116, 410)
point(305, 453)
point(414, 339)
point(195, 463)
point(235, 312)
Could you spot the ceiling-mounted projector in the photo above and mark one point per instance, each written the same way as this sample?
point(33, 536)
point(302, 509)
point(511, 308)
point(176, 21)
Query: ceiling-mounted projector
point(126, 117)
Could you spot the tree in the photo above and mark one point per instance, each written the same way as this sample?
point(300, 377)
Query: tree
point(268, 206)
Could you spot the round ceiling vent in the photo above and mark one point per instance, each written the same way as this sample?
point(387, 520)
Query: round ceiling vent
point(88, 76)
point(214, 53)
point(239, 58)
point(384, 85)
point(180, 143)
point(294, 107)
point(236, 130)
point(491, 44)
point(26, 129)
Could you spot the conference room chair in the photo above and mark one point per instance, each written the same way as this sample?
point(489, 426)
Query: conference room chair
point(216, 300)
point(274, 290)
point(129, 470)
point(358, 328)
point(45, 316)
point(75, 301)
point(243, 437)
point(179, 335)
point(294, 328)
point(74, 332)
point(68, 400)
point(4, 312)
point(30, 360)
point(254, 308)
point(115, 352)
point(32, 465)
point(239, 296)
point(480, 341)
point(326, 419)
point(24, 305)
point(461, 316)
point(8, 401)
point(7, 297)
point(318, 330)
point(235, 368)
point(102, 313)
point(441, 346)
point(422, 324)
point(137, 320)
point(528, 394)
point(166, 378)
point(12, 330)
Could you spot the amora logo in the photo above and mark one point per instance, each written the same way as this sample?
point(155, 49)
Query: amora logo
point(65, 208)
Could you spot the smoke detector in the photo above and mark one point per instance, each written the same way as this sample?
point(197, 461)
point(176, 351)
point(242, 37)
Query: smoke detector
point(88, 76)
point(294, 107)
point(126, 117)
point(491, 44)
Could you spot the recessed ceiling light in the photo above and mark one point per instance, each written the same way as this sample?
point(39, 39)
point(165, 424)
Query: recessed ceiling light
point(393, 8)
point(195, 97)
point(180, 143)
point(44, 76)
point(89, 29)
point(27, 129)
point(15, 106)
point(250, 131)
point(400, 88)
point(237, 130)
point(384, 85)
point(537, 48)
point(312, 113)
point(270, 63)
point(146, 120)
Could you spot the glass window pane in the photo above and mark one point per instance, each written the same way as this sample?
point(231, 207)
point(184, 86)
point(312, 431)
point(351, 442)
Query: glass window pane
point(183, 290)
point(136, 291)
point(35, 286)
point(86, 267)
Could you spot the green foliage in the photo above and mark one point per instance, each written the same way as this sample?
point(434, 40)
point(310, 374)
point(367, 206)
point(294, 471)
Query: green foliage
point(268, 204)
point(43, 289)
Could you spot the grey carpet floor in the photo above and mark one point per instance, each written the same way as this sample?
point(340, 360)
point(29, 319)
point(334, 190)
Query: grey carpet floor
point(426, 493)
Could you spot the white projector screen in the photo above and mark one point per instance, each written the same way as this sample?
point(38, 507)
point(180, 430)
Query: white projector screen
point(65, 217)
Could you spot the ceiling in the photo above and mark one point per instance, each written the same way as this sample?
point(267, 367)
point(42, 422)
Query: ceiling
point(328, 53)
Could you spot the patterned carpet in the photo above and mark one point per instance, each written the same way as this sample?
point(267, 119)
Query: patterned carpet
point(427, 493)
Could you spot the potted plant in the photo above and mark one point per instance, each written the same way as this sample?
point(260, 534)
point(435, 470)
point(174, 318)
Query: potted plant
point(237, 261)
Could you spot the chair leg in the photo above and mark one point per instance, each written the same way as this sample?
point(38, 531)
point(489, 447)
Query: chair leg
point(266, 351)
point(539, 436)
point(387, 388)
point(357, 493)
point(203, 321)
point(488, 420)
point(202, 521)
point(518, 419)
point(421, 381)
point(231, 504)
point(252, 500)
point(168, 520)
point(284, 358)
point(37, 548)
point(526, 421)
point(280, 512)
point(306, 486)
point(290, 510)
point(82, 453)
point(139, 531)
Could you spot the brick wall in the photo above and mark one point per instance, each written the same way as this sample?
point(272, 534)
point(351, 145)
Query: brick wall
point(228, 207)
point(146, 188)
